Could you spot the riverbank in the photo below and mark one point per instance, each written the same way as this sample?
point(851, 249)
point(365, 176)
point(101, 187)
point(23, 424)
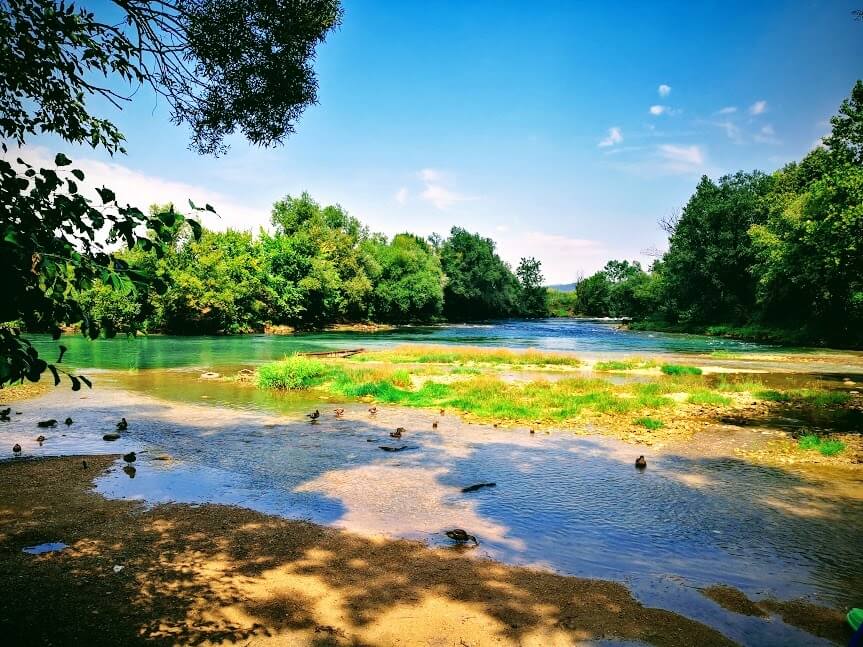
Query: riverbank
point(789, 337)
point(174, 574)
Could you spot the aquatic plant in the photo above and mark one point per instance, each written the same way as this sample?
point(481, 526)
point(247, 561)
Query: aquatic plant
point(825, 446)
point(629, 364)
point(419, 354)
point(808, 397)
point(292, 373)
point(679, 369)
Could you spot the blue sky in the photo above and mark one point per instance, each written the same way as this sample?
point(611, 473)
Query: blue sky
point(564, 130)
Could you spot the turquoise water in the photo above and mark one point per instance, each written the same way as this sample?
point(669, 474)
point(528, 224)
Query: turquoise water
point(578, 335)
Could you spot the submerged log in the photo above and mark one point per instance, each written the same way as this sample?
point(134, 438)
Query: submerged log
point(334, 353)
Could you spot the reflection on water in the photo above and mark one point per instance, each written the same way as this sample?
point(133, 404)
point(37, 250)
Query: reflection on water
point(580, 335)
point(696, 516)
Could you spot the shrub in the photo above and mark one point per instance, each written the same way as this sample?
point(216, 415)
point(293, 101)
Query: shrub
point(292, 373)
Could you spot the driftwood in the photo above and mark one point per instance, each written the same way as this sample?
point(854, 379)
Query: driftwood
point(334, 353)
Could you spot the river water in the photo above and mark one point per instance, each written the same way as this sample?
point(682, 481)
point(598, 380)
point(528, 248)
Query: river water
point(699, 515)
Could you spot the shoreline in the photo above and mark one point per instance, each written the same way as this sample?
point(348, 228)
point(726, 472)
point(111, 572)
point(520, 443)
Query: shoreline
point(215, 573)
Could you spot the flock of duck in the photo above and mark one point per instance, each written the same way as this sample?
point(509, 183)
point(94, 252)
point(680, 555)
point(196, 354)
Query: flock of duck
point(458, 535)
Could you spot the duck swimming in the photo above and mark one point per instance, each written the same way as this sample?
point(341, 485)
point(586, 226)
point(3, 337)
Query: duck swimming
point(68, 421)
point(16, 448)
point(640, 463)
point(130, 457)
point(314, 415)
point(45, 424)
point(373, 410)
point(122, 425)
point(461, 536)
point(398, 432)
point(443, 412)
point(434, 425)
point(339, 412)
point(40, 439)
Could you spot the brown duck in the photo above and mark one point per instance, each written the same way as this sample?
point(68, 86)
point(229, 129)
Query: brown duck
point(461, 536)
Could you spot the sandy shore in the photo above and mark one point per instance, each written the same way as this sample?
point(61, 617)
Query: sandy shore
point(215, 574)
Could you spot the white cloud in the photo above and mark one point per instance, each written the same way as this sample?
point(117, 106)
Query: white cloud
point(767, 135)
point(664, 90)
point(561, 256)
point(141, 190)
point(731, 129)
point(658, 110)
point(430, 175)
point(615, 136)
point(436, 192)
point(758, 108)
point(401, 196)
point(681, 159)
point(728, 110)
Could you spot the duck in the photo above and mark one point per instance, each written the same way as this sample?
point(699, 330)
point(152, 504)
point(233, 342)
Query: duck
point(68, 421)
point(373, 411)
point(443, 412)
point(461, 536)
point(398, 432)
point(84, 464)
point(477, 486)
point(5, 412)
point(122, 425)
point(130, 457)
point(130, 471)
point(339, 412)
point(16, 448)
point(45, 424)
point(314, 415)
point(532, 431)
point(434, 425)
point(40, 439)
point(640, 463)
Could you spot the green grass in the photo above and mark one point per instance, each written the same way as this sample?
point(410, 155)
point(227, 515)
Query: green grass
point(824, 446)
point(708, 398)
point(417, 354)
point(292, 373)
point(629, 364)
point(649, 423)
point(724, 354)
point(679, 369)
point(808, 397)
point(738, 385)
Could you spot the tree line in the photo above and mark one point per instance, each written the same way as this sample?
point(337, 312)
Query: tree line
point(773, 256)
point(318, 266)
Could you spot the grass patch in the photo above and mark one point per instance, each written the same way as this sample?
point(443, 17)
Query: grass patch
point(466, 370)
point(724, 354)
point(292, 373)
point(807, 397)
point(738, 385)
point(629, 364)
point(824, 446)
point(649, 423)
point(679, 369)
point(466, 355)
point(708, 398)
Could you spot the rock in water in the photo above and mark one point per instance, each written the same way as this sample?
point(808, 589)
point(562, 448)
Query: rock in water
point(477, 486)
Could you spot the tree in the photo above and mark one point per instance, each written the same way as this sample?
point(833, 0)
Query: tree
point(846, 137)
point(222, 66)
point(592, 295)
point(408, 282)
point(532, 295)
point(479, 285)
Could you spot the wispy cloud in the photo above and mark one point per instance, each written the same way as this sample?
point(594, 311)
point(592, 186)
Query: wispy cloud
point(436, 192)
point(401, 196)
point(561, 256)
point(664, 90)
point(727, 110)
point(758, 108)
point(767, 135)
point(731, 129)
point(658, 110)
point(681, 159)
point(615, 136)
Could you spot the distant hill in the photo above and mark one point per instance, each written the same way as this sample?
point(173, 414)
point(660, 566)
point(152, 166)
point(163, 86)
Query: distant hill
point(562, 287)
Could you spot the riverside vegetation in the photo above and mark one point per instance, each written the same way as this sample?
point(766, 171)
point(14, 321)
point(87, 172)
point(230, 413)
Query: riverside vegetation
point(539, 390)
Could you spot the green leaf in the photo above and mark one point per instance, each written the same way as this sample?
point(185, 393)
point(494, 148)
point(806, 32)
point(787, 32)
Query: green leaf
point(107, 195)
point(62, 160)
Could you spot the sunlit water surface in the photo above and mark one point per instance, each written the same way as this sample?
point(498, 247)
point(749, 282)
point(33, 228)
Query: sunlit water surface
point(698, 515)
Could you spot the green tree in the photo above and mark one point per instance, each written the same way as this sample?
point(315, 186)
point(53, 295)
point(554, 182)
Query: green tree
point(221, 66)
point(479, 285)
point(408, 280)
point(532, 295)
point(592, 295)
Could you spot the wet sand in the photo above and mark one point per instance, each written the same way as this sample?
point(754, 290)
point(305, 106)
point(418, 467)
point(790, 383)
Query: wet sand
point(214, 574)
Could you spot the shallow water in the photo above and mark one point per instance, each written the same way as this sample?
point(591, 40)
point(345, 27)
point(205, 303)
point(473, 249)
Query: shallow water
point(579, 335)
point(41, 549)
point(697, 516)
